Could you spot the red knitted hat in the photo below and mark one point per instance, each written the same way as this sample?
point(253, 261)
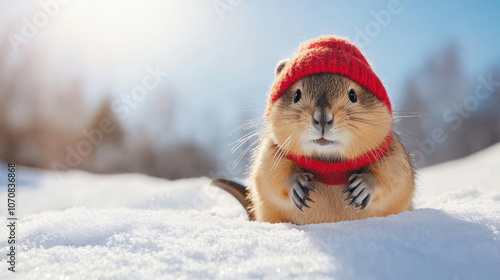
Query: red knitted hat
point(329, 54)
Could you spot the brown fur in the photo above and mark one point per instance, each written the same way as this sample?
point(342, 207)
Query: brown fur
point(362, 127)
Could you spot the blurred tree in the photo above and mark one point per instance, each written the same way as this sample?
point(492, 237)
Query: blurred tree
point(109, 153)
point(42, 123)
point(437, 93)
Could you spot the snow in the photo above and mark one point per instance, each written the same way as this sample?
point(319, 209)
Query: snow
point(85, 226)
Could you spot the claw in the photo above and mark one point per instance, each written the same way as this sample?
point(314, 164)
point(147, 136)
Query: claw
point(297, 204)
point(349, 197)
point(350, 188)
point(360, 191)
point(309, 176)
point(300, 200)
point(352, 178)
point(298, 207)
point(300, 191)
point(351, 203)
point(309, 199)
point(365, 202)
point(309, 187)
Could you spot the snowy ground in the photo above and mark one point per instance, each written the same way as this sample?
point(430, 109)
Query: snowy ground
point(84, 226)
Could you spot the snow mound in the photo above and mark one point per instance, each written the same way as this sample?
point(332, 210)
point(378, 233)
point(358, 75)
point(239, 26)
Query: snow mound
point(84, 226)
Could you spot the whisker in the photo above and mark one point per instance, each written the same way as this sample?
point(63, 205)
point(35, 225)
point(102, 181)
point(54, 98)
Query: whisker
point(247, 149)
point(241, 141)
point(246, 125)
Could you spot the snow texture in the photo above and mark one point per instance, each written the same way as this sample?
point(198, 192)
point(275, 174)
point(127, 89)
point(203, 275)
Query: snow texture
point(84, 226)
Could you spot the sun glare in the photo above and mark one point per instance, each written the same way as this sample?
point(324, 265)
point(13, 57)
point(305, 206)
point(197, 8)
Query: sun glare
point(116, 31)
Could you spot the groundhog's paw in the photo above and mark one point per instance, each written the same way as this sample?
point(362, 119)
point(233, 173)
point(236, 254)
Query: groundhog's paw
point(300, 190)
point(361, 188)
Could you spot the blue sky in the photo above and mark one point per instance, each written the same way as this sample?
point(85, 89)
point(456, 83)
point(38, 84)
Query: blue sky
point(219, 68)
point(187, 36)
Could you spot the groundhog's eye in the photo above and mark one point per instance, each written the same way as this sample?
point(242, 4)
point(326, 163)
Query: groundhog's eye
point(298, 95)
point(352, 96)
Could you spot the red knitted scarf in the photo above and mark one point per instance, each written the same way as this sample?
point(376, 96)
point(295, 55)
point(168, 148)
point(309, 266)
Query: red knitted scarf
point(338, 173)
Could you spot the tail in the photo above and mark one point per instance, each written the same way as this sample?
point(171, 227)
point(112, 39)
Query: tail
point(237, 191)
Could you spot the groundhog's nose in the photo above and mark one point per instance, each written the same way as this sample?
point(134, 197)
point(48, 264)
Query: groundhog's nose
point(322, 120)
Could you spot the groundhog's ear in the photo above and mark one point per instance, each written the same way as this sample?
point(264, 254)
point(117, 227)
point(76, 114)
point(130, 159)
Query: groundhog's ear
point(280, 66)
